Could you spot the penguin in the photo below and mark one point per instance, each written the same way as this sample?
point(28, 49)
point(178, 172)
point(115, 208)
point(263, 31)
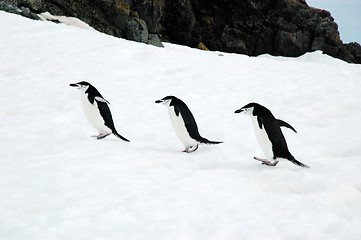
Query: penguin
point(269, 134)
point(184, 124)
point(96, 110)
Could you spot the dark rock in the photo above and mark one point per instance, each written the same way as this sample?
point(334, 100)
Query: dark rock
point(9, 8)
point(121, 15)
point(137, 30)
point(179, 22)
point(151, 12)
point(353, 52)
point(25, 12)
point(35, 6)
point(292, 44)
point(252, 27)
point(114, 17)
point(154, 40)
point(54, 21)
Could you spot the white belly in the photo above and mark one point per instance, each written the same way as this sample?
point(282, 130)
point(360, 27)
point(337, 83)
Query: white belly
point(262, 139)
point(180, 128)
point(92, 113)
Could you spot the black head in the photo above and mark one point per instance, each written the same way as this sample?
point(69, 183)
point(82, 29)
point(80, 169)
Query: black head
point(86, 87)
point(250, 109)
point(80, 85)
point(167, 100)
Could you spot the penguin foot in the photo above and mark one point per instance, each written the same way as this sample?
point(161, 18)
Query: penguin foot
point(266, 162)
point(260, 159)
point(102, 135)
point(193, 148)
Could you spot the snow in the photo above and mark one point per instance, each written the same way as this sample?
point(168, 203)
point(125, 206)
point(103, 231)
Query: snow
point(65, 20)
point(56, 182)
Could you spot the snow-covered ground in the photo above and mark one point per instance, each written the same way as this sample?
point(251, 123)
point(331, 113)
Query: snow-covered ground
point(56, 182)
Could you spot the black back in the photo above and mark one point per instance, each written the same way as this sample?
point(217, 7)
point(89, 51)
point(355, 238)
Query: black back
point(190, 123)
point(106, 114)
point(103, 106)
point(272, 127)
point(94, 95)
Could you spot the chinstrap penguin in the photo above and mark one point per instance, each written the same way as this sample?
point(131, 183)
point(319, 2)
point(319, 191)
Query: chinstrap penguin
point(96, 110)
point(184, 124)
point(269, 134)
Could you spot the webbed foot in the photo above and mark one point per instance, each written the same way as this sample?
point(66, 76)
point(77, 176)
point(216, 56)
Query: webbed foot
point(266, 162)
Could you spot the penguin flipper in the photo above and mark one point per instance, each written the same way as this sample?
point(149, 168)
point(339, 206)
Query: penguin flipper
point(108, 120)
point(100, 99)
point(284, 124)
point(121, 137)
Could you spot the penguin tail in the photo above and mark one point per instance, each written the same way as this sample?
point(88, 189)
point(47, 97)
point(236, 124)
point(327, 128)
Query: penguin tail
point(298, 163)
point(120, 136)
point(206, 141)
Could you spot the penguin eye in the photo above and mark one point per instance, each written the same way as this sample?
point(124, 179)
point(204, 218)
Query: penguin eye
point(166, 102)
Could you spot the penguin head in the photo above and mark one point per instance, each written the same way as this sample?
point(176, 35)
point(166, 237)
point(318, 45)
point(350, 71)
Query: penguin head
point(166, 101)
point(248, 109)
point(82, 86)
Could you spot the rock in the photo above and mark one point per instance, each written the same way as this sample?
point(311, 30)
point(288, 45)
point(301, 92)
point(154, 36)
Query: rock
point(292, 44)
point(202, 46)
point(179, 22)
point(154, 40)
point(121, 15)
point(353, 53)
point(151, 11)
point(137, 30)
point(34, 5)
point(114, 17)
point(25, 12)
point(252, 27)
point(9, 8)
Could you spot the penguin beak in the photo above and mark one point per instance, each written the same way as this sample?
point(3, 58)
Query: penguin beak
point(74, 85)
point(158, 101)
point(239, 110)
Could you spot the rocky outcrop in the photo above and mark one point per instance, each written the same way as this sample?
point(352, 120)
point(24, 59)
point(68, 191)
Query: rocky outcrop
point(112, 17)
point(23, 11)
point(252, 27)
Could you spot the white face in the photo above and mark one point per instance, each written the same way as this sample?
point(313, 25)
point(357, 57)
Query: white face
point(83, 88)
point(165, 102)
point(248, 111)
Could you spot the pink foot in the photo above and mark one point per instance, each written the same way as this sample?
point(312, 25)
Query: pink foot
point(186, 149)
point(266, 162)
point(192, 149)
point(102, 135)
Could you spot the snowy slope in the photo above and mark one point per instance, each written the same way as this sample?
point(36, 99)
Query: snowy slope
point(56, 182)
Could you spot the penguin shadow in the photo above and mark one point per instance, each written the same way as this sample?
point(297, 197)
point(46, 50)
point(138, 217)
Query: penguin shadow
point(150, 149)
point(140, 146)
